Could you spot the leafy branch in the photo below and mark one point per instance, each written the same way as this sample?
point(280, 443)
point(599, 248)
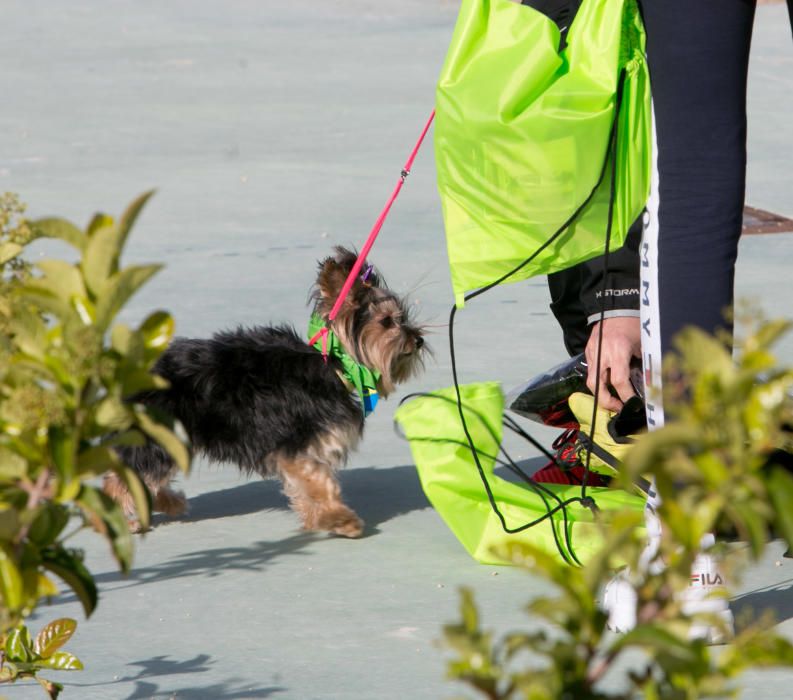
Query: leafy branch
point(721, 465)
point(67, 373)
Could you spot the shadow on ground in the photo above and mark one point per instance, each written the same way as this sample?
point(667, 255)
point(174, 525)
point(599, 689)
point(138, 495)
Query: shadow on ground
point(777, 599)
point(377, 495)
point(161, 666)
point(257, 557)
point(216, 691)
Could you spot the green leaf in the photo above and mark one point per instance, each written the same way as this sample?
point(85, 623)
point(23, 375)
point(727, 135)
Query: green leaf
point(112, 414)
point(120, 289)
point(29, 333)
point(8, 251)
point(95, 461)
point(751, 524)
point(11, 588)
point(157, 331)
point(167, 440)
point(62, 278)
point(45, 587)
point(8, 672)
point(780, 490)
point(122, 339)
point(106, 243)
point(18, 647)
point(767, 335)
point(46, 299)
point(140, 494)
point(21, 445)
point(57, 368)
point(130, 216)
point(9, 522)
point(659, 641)
point(53, 636)
point(135, 380)
point(85, 310)
point(68, 565)
point(100, 259)
point(49, 522)
point(107, 518)
point(63, 447)
point(62, 661)
point(468, 610)
point(98, 222)
point(129, 438)
point(60, 229)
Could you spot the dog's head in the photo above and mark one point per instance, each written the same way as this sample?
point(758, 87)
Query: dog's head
point(374, 325)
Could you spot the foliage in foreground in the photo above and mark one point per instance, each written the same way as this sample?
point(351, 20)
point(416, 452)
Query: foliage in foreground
point(719, 467)
point(67, 370)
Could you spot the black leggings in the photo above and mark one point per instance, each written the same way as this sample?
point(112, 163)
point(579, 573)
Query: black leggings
point(698, 55)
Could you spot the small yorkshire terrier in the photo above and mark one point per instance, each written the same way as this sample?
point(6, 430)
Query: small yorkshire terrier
point(263, 398)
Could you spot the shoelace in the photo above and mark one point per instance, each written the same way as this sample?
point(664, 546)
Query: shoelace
point(566, 468)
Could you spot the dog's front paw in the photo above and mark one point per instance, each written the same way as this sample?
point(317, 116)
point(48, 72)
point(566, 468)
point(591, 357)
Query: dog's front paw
point(170, 502)
point(342, 522)
point(135, 526)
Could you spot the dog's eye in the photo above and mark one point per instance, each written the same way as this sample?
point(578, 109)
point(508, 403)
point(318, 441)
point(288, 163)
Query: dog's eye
point(387, 322)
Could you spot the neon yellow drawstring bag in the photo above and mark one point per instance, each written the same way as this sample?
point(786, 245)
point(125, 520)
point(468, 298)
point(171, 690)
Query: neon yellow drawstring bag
point(523, 137)
point(453, 484)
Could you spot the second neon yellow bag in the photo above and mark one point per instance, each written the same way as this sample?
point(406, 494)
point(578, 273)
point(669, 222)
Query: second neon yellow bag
point(452, 482)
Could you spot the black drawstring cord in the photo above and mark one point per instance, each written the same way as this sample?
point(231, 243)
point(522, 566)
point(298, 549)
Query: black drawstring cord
point(585, 500)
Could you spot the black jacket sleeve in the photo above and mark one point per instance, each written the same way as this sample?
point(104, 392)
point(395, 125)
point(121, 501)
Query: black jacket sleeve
point(578, 295)
point(612, 286)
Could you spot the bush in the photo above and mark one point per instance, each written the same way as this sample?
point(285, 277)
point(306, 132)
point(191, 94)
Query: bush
point(67, 372)
point(719, 466)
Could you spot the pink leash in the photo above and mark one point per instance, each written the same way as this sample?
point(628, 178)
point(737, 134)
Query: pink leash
point(356, 268)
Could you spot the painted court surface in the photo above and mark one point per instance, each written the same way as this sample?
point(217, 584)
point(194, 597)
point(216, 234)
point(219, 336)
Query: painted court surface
point(273, 131)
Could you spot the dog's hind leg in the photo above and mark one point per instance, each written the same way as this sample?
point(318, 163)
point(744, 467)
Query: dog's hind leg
point(164, 499)
point(117, 490)
point(315, 495)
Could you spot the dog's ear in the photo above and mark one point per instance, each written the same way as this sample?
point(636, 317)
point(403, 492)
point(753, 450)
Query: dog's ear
point(333, 272)
point(369, 275)
point(345, 258)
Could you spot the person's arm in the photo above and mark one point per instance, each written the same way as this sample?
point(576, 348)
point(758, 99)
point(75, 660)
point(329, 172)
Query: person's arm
point(615, 303)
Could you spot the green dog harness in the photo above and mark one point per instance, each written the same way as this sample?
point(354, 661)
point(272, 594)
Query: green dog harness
point(358, 378)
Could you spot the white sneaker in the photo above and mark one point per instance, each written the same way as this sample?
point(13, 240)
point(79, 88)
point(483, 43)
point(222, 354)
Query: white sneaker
point(707, 595)
point(619, 596)
point(619, 603)
point(700, 598)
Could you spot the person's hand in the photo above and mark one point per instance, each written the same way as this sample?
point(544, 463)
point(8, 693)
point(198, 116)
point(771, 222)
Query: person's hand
point(621, 342)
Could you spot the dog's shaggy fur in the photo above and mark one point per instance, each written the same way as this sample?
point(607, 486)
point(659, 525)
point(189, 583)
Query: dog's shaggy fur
point(262, 398)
